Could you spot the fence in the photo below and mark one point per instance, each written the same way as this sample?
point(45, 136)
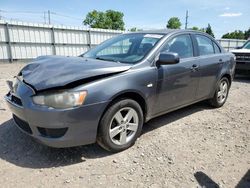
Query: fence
point(229, 44)
point(20, 40)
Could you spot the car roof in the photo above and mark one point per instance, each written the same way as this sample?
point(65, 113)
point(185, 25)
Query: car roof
point(159, 31)
point(168, 31)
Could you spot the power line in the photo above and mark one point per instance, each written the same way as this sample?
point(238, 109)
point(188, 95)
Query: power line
point(33, 12)
point(45, 15)
point(66, 16)
point(56, 21)
point(20, 12)
point(11, 19)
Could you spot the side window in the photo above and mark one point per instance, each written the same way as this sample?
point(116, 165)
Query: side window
point(216, 48)
point(181, 44)
point(205, 45)
point(146, 45)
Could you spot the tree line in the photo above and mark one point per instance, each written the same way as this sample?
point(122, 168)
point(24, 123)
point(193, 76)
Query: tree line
point(111, 19)
point(238, 34)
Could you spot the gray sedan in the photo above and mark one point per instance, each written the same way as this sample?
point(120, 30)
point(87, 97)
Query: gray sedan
point(108, 93)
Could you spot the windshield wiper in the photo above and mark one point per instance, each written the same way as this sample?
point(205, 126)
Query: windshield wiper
point(100, 58)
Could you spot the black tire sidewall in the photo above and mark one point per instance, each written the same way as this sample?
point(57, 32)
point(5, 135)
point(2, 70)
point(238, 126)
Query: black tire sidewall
point(103, 132)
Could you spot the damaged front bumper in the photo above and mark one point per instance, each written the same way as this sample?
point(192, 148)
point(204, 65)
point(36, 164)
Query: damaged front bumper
point(52, 127)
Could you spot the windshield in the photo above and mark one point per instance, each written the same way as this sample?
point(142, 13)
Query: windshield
point(247, 45)
point(128, 48)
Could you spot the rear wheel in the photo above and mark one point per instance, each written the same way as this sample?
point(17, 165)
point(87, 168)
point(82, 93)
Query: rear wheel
point(120, 126)
point(221, 93)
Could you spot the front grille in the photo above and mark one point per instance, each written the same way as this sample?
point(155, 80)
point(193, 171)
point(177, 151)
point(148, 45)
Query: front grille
point(22, 124)
point(242, 57)
point(16, 100)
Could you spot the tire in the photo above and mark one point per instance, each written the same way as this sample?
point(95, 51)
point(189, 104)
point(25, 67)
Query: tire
point(221, 93)
point(120, 125)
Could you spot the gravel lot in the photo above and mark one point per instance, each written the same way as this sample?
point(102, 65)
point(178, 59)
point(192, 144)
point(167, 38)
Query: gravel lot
point(192, 147)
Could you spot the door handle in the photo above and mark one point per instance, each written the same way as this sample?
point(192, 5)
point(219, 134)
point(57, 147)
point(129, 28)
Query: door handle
point(194, 67)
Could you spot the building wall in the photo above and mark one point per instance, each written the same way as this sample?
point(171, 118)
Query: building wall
point(20, 40)
point(230, 44)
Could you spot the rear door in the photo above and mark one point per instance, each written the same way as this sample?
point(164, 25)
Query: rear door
point(210, 61)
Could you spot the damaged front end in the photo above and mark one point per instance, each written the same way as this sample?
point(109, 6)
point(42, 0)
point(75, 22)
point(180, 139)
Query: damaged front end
point(55, 72)
point(52, 79)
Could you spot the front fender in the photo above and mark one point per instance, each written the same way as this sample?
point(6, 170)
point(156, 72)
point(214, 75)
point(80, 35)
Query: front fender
point(133, 80)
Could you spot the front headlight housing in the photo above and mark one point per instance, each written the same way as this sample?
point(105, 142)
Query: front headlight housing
point(61, 100)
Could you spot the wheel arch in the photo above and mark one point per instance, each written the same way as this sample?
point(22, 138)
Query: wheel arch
point(228, 76)
point(129, 94)
point(220, 76)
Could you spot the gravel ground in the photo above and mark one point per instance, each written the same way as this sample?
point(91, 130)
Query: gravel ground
point(192, 147)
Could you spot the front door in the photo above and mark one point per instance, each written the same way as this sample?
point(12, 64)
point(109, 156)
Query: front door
point(177, 84)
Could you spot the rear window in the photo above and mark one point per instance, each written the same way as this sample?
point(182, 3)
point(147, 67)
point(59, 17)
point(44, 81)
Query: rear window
point(216, 48)
point(205, 45)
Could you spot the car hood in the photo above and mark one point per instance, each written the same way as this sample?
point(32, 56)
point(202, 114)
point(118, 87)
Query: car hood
point(47, 72)
point(241, 51)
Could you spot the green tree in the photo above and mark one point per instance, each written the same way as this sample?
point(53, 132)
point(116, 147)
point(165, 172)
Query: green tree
point(174, 23)
point(195, 28)
point(202, 30)
point(237, 34)
point(198, 29)
point(95, 19)
point(105, 20)
point(209, 30)
point(114, 20)
point(240, 35)
point(247, 34)
point(226, 36)
point(134, 29)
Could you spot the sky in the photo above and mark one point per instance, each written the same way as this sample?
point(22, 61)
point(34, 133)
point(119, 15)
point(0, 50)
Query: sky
point(223, 15)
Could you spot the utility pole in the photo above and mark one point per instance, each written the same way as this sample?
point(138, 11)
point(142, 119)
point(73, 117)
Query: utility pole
point(186, 23)
point(44, 16)
point(49, 16)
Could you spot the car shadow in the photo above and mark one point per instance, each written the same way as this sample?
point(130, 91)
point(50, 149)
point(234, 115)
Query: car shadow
point(171, 117)
point(22, 150)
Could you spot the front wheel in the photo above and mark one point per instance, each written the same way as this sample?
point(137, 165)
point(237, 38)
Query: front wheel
point(120, 126)
point(221, 93)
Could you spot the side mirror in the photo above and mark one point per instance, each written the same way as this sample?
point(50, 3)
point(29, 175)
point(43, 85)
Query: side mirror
point(168, 58)
point(238, 47)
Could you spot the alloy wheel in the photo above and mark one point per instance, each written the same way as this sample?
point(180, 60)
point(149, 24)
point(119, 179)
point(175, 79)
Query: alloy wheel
point(123, 126)
point(222, 92)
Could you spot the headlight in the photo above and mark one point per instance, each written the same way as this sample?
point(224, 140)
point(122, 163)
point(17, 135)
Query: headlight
point(61, 100)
